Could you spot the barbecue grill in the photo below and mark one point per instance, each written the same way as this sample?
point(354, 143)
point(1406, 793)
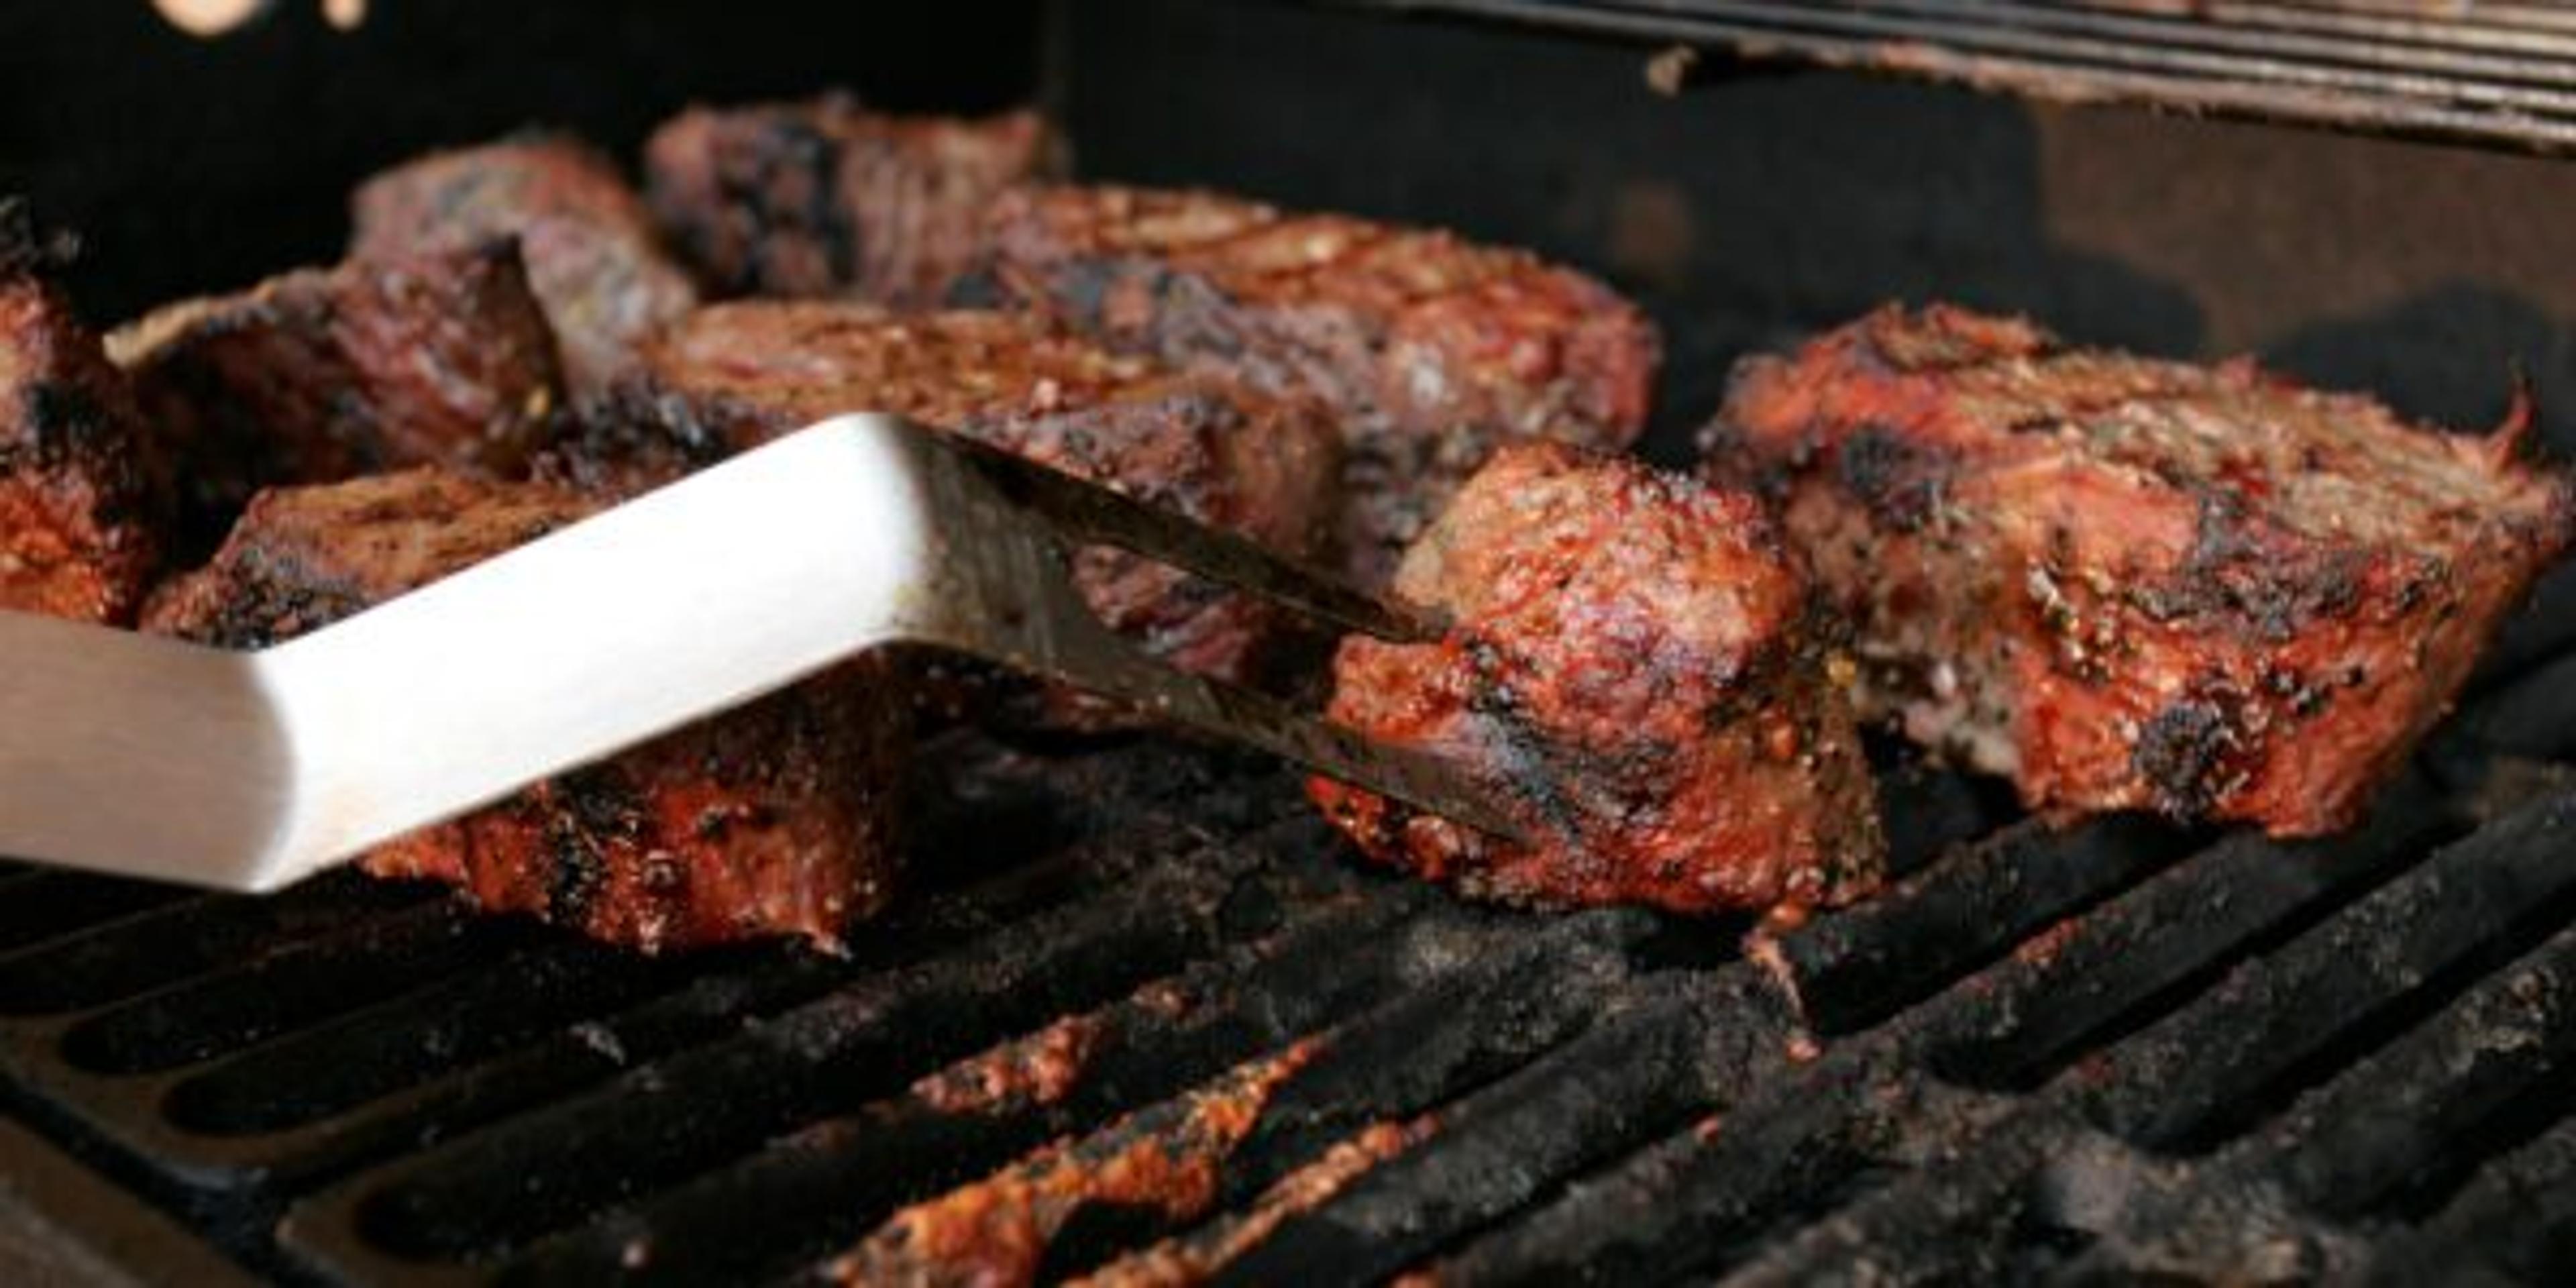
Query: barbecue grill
point(1141, 1014)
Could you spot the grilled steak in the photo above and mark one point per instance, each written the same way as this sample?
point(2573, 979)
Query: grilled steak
point(824, 199)
point(77, 503)
point(593, 255)
point(735, 375)
point(316, 376)
point(1634, 662)
point(1433, 350)
point(2138, 584)
point(771, 819)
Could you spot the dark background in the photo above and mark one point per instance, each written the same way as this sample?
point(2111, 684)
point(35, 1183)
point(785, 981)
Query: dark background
point(1755, 205)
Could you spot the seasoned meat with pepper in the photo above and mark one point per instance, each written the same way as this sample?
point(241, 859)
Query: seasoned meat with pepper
point(2137, 584)
point(1433, 350)
point(1635, 661)
point(78, 510)
point(772, 819)
point(737, 374)
point(317, 376)
point(823, 198)
point(592, 252)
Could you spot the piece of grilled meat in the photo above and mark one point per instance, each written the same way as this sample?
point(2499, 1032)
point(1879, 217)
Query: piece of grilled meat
point(78, 509)
point(443, 358)
point(773, 819)
point(735, 375)
point(1433, 350)
point(1634, 661)
point(823, 198)
point(2129, 583)
point(592, 252)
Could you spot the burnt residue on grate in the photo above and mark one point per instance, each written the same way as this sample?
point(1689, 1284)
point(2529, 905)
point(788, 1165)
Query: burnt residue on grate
point(1142, 1022)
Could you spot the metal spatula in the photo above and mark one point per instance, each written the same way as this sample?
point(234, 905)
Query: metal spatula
point(132, 754)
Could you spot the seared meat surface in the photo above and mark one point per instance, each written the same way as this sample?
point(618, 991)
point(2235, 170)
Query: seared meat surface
point(78, 510)
point(317, 376)
point(1432, 350)
point(735, 375)
point(822, 198)
point(592, 252)
point(2137, 584)
point(1634, 661)
point(771, 819)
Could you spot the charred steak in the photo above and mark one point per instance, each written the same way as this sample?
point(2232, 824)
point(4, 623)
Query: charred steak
point(592, 252)
point(78, 512)
point(317, 376)
point(823, 198)
point(735, 375)
point(1634, 661)
point(773, 819)
point(2137, 584)
point(1433, 350)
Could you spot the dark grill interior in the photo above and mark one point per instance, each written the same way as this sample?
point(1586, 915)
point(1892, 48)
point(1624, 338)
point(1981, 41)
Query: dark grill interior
point(2053, 1054)
point(1143, 1013)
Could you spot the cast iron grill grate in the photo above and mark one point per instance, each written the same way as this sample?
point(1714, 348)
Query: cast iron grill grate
point(1144, 1023)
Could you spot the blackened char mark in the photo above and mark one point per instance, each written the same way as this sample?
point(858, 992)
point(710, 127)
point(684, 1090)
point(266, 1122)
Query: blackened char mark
point(1531, 768)
point(596, 809)
point(2187, 754)
point(1145, 304)
point(279, 599)
point(2233, 573)
point(1901, 483)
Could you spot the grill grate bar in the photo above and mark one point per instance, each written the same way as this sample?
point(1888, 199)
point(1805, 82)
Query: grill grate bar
point(2519, 1213)
point(48, 906)
point(2189, 1074)
point(1853, 969)
point(236, 1008)
point(2070, 988)
point(184, 940)
point(2490, 84)
point(1475, 1017)
point(327, 1070)
point(2389, 1120)
point(1794, 1141)
point(1633, 1077)
point(660, 1122)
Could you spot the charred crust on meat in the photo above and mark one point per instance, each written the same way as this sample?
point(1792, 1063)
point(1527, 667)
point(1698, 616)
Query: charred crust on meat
point(2188, 751)
point(596, 811)
point(1629, 667)
point(2196, 560)
point(1901, 483)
